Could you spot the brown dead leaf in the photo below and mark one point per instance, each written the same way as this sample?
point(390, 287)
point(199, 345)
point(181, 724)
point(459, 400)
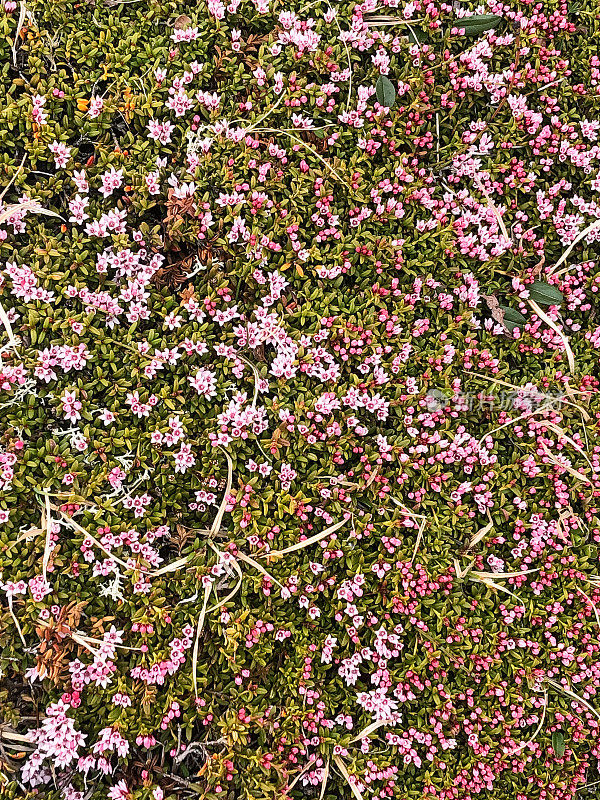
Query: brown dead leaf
point(496, 311)
point(187, 293)
point(538, 267)
point(182, 22)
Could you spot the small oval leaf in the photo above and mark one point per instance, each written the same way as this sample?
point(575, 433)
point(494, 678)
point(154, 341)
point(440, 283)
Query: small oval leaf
point(416, 35)
point(478, 23)
point(558, 743)
point(545, 294)
point(385, 91)
point(512, 317)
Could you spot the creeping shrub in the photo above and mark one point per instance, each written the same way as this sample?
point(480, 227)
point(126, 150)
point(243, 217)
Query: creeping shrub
point(299, 373)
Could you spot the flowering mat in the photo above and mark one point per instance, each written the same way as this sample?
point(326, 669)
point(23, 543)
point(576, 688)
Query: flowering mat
point(299, 454)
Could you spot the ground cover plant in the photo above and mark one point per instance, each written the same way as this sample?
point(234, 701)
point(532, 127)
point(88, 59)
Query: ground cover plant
point(299, 457)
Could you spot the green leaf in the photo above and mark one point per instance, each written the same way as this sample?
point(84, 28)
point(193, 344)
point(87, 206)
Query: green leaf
point(478, 23)
point(558, 743)
point(545, 295)
point(385, 91)
point(416, 35)
point(512, 317)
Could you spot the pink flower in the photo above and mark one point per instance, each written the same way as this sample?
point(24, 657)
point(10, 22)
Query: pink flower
point(119, 791)
point(160, 131)
point(80, 180)
point(287, 475)
point(184, 458)
point(12, 588)
point(40, 116)
point(61, 152)
point(71, 406)
point(96, 106)
point(111, 180)
point(204, 382)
